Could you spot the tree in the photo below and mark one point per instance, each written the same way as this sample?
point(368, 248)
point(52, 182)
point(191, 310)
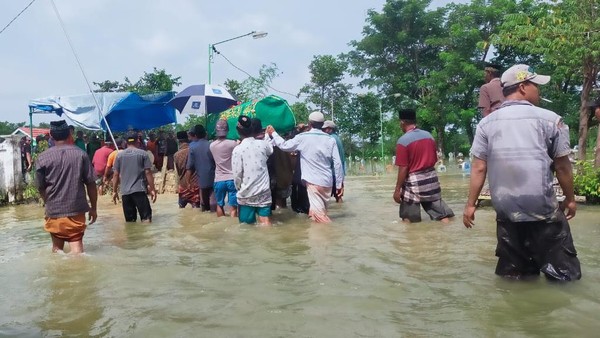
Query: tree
point(157, 81)
point(325, 85)
point(394, 54)
point(301, 111)
point(6, 128)
point(253, 88)
point(449, 92)
point(567, 34)
point(399, 51)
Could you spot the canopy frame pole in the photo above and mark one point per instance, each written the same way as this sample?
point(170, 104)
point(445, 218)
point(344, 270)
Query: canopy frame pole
point(31, 127)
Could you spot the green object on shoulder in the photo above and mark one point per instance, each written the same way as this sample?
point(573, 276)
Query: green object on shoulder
point(271, 110)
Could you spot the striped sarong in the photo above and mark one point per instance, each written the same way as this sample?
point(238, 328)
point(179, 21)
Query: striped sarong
point(421, 186)
point(318, 197)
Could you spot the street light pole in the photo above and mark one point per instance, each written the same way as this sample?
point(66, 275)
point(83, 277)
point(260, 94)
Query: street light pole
point(395, 95)
point(381, 128)
point(212, 49)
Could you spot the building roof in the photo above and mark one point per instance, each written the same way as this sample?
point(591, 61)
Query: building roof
point(36, 131)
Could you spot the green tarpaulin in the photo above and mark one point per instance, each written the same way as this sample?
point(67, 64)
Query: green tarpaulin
point(271, 110)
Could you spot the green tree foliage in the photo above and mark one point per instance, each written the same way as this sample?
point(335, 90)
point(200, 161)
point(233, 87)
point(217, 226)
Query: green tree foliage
point(325, 87)
point(157, 81)
point(253, 88)
point(301, 112)
point(567, 34)
point(6, 128)
point(394, 53)
point(190, 121)
point(587, 181)
point(434, 57)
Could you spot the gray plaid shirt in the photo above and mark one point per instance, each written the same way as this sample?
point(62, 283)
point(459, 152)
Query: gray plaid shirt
point(62, 172)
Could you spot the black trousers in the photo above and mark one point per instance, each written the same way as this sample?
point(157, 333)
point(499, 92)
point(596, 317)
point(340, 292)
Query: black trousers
point(205, 194)
point(299, 198)
point(526, 248)
point(134, 203)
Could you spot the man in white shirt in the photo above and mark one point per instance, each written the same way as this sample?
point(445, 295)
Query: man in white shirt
point(251, 176)
point(318, 152)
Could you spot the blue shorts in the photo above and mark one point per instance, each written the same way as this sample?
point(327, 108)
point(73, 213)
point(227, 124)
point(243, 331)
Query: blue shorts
point(247, 214)
point(223, 188)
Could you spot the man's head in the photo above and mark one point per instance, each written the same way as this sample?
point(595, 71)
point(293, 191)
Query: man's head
point(79, 134)
point(492, 71)
point(244, 126)
point(408, 118)
point(132, 138)
point(316, 120)
point(221, 128)
point(121, 143)
point(200, 131)
point(595, 107)
point(192, 134)
point(182, 137)
point(328, 127)
point(60, 131)
point(108, 141)
point(257, 129)
point(152, 137)
point(520, 82)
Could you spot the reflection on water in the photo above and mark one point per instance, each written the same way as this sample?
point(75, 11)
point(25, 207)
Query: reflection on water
point(367, 274)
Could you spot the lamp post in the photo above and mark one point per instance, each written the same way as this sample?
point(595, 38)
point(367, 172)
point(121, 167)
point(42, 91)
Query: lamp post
point(212, 49)
point(380, 101)
point(381, 128)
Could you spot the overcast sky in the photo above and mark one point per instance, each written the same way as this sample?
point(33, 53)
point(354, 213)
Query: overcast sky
point(114, 39)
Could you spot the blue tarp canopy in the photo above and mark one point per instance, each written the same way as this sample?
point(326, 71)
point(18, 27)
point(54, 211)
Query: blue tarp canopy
point(123, 110)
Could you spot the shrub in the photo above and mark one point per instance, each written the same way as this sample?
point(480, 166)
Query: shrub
point(586, 181)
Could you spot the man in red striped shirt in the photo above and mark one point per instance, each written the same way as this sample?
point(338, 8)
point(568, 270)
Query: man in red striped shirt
point(417, 183)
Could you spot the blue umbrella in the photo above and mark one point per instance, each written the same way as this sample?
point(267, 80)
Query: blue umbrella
point(203, 99)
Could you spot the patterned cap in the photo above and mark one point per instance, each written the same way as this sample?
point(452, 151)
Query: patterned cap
point(59, 130)
point(222, 128)
point(521, 73)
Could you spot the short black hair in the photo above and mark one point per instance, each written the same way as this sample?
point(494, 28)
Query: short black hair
point(316, 125)
point(257, 127)
point(509, 90)
point(200, 131)
point(245, 132)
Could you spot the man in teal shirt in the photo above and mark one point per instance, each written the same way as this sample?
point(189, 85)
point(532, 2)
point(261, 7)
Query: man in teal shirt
point(330, 128)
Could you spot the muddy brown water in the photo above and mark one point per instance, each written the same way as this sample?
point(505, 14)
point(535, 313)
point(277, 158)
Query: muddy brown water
point(366, 275)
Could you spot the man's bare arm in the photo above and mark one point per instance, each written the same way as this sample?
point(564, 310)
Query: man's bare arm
point(564, 174)
point(478, 172)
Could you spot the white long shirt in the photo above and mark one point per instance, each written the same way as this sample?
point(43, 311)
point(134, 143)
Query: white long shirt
point(250, 172)
point(318, 152)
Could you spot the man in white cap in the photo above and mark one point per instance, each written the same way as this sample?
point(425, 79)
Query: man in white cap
point(329, 127)
point(523, 146)
point(318, 153)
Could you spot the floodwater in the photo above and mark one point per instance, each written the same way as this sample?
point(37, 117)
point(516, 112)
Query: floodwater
point(189, 274)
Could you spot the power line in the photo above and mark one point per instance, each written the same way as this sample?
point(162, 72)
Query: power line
point(254, 78)
point(15, 18)
point(62, 25)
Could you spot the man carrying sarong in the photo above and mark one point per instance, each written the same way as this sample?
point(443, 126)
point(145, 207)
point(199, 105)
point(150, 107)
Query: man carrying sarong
point(318, 152)
point(188, 188)
point(62, 175)
point(417, 183)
